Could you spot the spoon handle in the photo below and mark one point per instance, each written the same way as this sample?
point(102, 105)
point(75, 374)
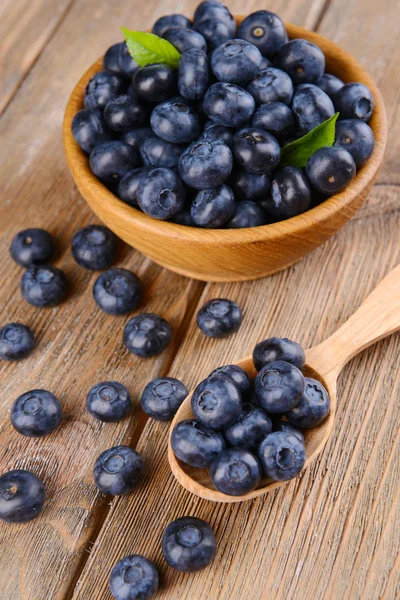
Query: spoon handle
point(377, 317)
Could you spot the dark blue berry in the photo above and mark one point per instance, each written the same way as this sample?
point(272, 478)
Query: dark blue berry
point(250, 429)
point(213, 207)
point(162, 397)
point(219, 318)
point(16, 341)
point(44, 286)
point(174, 121)
point(228, 104)
point(147, 335)
point(282, 455)
point(265, 63)
point(276, 118)
point(89, 129)
point(235, 374)
point(290, 194)
point(103, 87)
point(183, 218)
point(330, 170)
point(128, 186)
point(313, 407)
point(111, 58)
point(32, 247)
point(185, 39)
point(265, 30)
point(329, 84)
point(354, 101)
point(216, 402)
point(123, 113)
point(95, 247)
point(118, 291)
point(255, 150)
point(156, 152)
point(22, 496)
point(193, 74)
point(287, 427)
point(236, 61)
point(311, 107)
point(235, 472)
point(118, 470)
point(212, 9)
point(279, 386)
point(274, 348)
point(36, 413)
point(205, 164)
point(247, 214)
point(196, 445)
point(164, 23)
point(249, 185)
point(161, 193)
point(134, 577)
point(357, 138)
point(127, 64)
point(271, 85)
point(212, 131)
point(188, 544)
point(109, 401)
point(302, 60)
point(155, 83)
point(110, 161)
point(134, 137)
point(215, 31)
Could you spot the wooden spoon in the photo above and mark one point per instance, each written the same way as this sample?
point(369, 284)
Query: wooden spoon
point(377, 317)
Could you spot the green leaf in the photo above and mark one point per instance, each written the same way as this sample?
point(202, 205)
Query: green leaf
point(147, 48)
point(298, 152)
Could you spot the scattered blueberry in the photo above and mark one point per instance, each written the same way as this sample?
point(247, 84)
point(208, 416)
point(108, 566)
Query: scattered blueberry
point(247, 214)
point(89, 129)
point(255, 150)
point(189, 544)
point(164, 23)
point(162, 397)
point(123, 113)
point(235, 472)
point(134, 577)
point(103, 87)
point(126, 63)
point(313, 407)
point(43, 286)
point(290, 194)
point(213, 207)
point(111, 58)
point(274, 348)
point(252, 426)
point(354, 101)
point(147, 335)
point(109, 401)
point(195, 444)
point(228, 104)
point(160, 193)
point(36, 413)
point(94, 247)
point(118, 470)
point(276, 118)
point(22, 496)
point(155, 83)
point(271, 85)
point(156, 152)
point(118, 291)
point(329, 84)
point(110, 161)
point(16, 341)
point(357, 138)
point(237, 375)
point(250, 185)
point(311, 107)
point(216, 402)
point(302, 60)
point(282, 455)
point(205, 164)
point(287, 427)
point(265, 30)
point(236, 61)
point(219, 317)
point(193, 74)
point(174, 121)
point(185, 39)
point(279, 386)
point(134, 137)
point(330, 170)
point(128, 186)
point(32, 247)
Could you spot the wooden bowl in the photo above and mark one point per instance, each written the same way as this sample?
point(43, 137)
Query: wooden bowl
point(232, 254)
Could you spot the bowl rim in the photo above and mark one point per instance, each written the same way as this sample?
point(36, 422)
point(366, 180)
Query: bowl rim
point(79, 166)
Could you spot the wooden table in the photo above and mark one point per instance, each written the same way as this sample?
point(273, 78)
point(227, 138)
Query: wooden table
point(331, 533)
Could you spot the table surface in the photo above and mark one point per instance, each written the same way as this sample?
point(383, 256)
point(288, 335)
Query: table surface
point(331, 533)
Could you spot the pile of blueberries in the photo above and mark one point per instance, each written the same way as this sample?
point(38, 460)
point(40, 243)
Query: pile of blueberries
point(201, 145)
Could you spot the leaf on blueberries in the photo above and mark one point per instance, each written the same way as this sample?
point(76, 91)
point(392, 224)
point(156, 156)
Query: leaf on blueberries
point(298, 152)
point(147, 48)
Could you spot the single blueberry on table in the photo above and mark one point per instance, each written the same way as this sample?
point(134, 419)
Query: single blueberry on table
point(228, 104)
point(265, 30)
point(185, 39)
point(109, 401)
point(252, 426)
point(32, 247)
point(162, 397)
point(219, 317)
point(22, 496)
point(118, 471)
point(302, 60)
point(276, 118)
point(236, 61)
point(215, 31)
point(134, 137)
point(282, 455)
point(255, 150)
point(161, 193)
point(357, 138)
point(147, 335)
point(156, 152)
point(275, 348)
point(271, 85)
point(237, 375)
point(128, 186)
point(110, 161)
point(329, 84)
point(311, 107)
point(118, 291)
point(196, 445)
point(247, 214)
point(235, 472)
point(174, 121)
point(111, 58)
point(216, 402)
point(156, 82)
point(213, 207)
point(126, 62)
point(103, 87)
point(279, 386)
point(330, 170)
point(290, 194)
point(212, 131)
point(123, 113)
point(313, 407)
point(193, 74)
point(205, 164)
point(354, 101)
point(134, 577)
point(250, 186)
point(188, 544)
point(16, 341)
point(43, 286)
point(36, 413)
point(288, 428)
point(89, 129)
point(94, 247)
point(166, 22)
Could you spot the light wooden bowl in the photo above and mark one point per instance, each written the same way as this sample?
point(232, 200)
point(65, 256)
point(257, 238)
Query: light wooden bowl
point(232, 254)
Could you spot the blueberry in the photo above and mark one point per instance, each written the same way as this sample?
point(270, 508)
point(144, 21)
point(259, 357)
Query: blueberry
point(329, 84)
point(205, 164)
point(288, 428)
point(213, 9)
point(111, 58)
point(134, 137)
point(118, 291)
point(255, 150)
point(162, 397)
point(279, 386)
point(302, 60)
point(32, 247)
point(95, 247)
point(236, 61)
point(109, 401)
point(89, 129)
point(276, 118)
point(216, 402)
point(271, 85)
point(250, 429)
point(22, 496)
point(274, 348)
point(193, 74)
point(213, 207)
point(247, 214)
point(313, 407)
point(215, 31)
point(185, 39)
point(123, 113)
point(36, 413)
point(43, 286)
point(134, 577)
point(282, 455)
point(183, 218)
point(160, 193)
point(219, 318)
point(218, 132)
point(16, 341)
point(357, 138)
point(235, 472)
point(311, 107)
point(249, 185)
point(265, 63)
point(228, 104)
point(110, 161)
point(147, 335)
point(188, 544)
point(354, 101)
point(103, 87)
point(237, 375)
point(265, 30)
point(175, 122)
point(196, 445)
point(164, 23)
point(127, 64)
point(128, 186)
point(330, 170)
point(156, 82)
point(290, 194)
point(118, 470)
point(156, 152)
